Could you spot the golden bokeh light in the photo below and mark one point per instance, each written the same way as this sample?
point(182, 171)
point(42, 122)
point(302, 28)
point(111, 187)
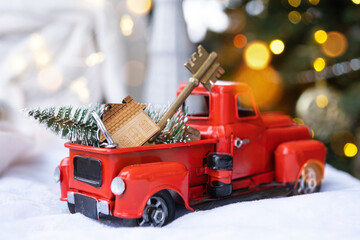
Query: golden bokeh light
point(356, 1)
point(36, 42)
point(294, 3)
point(322, 101)
point(314, 2)
point(95, 58)
point(294, 17)
point(339, 140)
point(298, 121)
point(350, 150)
point(126, 25)
point(266, 84)
point(320, 36)
point(319, 64)
point(18, 64)
point(139, 6)
point(240, 41)
point(335, 45)
point(50, 79)
point(42, 58)
point(79, 86)
point(257, 55)
point(277, 46)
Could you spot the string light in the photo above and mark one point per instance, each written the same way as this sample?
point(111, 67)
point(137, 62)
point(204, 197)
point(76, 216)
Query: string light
point(50, 79)
point(294, 3)
point(277, 46)
point(95, 58)
point(42, 58)
point(79, 86)
point(335, 45)
point(257, 55)
point(319, 64)
point(350, 150)
point(314, 2)
point(18, 64)
point(126, 25)
point(320, 36)
point(294, 17)
point(36, 42)
point(322, 101)
point(240, 41)
point(140, 7)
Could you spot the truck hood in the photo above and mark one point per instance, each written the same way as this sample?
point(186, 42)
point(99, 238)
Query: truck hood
point(276, 120)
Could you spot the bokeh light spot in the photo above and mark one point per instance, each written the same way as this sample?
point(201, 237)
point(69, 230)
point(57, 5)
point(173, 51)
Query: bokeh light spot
point(79, 86)
point(350, 149)
point(36, 42)
point(320, 36)
point(335, 45)
point(298, 121)
point(50, 79)
point(95, 58)
point(266, 85)
point(139, 6)
point(257, 55)
point(18, 64)
point(126, 25)
point(277, 46)
point(319, 64)
point(314, 2)
point(42, 58)
point(294, 17)
point(356, 1)
point(240, 41)
point(294, 3)
point(322, 101)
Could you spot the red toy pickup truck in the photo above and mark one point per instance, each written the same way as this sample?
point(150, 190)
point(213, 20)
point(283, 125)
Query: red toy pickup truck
point(242, 155)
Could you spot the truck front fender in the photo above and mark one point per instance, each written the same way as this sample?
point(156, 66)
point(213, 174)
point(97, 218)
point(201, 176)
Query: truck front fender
point(144, 180)
point(64, 178)
point(291, 157)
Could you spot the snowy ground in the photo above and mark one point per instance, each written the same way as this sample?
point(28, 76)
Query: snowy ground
point(30, 209)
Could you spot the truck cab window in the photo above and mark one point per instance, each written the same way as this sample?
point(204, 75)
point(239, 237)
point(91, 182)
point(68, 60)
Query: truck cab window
point(197, 105)
point(244, 106)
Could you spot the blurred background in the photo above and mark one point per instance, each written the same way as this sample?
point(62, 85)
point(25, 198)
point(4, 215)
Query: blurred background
point(299, 56)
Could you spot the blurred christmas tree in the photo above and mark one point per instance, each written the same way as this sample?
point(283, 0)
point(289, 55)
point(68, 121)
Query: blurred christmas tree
point(301, 57)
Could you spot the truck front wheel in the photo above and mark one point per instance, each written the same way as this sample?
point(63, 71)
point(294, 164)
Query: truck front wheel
point(309, 180)
point(159, 211)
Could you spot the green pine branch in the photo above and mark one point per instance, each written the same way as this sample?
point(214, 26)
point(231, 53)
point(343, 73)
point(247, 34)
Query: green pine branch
point(75, 125)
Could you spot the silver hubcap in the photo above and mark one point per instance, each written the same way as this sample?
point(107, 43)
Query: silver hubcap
point(155, 213)
point(307, 182)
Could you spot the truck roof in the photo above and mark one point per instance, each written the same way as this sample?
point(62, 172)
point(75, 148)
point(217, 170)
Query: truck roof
point(220, 86)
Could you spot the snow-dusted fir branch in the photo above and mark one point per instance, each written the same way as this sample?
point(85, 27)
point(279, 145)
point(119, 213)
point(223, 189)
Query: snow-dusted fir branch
point(73, 124)
point(175, 127)
point(78, 126)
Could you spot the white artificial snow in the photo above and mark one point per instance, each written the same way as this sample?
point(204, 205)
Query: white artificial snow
point(30, 209)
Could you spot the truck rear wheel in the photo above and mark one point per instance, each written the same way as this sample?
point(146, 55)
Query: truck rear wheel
point(309, 180)
point(159, 211)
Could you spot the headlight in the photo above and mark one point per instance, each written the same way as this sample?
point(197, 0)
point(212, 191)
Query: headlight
point(117, 186)
point(57, 174)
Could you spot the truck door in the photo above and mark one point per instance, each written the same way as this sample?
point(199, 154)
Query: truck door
point(248, 143)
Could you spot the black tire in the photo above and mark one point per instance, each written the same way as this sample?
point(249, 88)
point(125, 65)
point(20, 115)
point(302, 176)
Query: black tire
point(308, 182)
point(220, 161)
point(159, 211)
point(71, 207)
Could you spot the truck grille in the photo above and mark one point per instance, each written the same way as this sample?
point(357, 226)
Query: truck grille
point(88, 170)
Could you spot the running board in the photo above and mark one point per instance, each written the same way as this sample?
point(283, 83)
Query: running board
point(211, 203)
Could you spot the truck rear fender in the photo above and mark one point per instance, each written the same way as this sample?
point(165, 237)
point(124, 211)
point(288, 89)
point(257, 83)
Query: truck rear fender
point(144, 180)
point(292, 157)
point(64, 178)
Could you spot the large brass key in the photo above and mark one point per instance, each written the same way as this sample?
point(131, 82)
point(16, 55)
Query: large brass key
point(205, 70)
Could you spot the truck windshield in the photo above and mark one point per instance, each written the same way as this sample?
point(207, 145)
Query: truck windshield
point(197, 105)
